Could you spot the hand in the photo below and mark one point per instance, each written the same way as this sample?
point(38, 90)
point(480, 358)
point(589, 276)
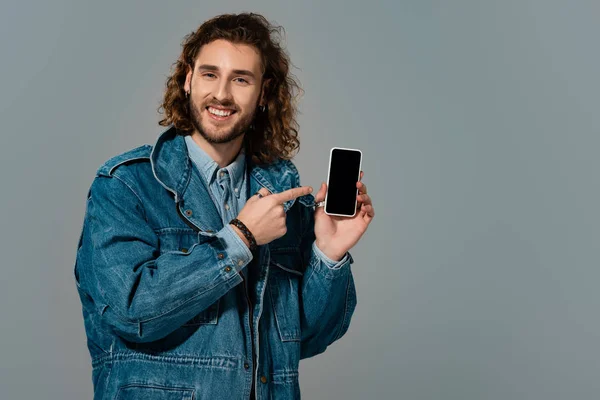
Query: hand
point(336, 235)
point(265, 217)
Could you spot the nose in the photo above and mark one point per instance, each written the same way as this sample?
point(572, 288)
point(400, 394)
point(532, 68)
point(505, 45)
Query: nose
point(223, 91)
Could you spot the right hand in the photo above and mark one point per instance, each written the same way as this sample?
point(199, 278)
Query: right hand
point(265, 217)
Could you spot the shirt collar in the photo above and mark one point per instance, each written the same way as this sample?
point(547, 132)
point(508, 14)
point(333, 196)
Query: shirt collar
point(208, 167)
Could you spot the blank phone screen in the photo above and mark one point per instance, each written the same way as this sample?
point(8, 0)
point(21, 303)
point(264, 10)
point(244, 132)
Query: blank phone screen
point(343, 174)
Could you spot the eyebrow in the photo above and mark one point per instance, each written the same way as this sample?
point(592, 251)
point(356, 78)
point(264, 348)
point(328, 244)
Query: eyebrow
point(208, 67)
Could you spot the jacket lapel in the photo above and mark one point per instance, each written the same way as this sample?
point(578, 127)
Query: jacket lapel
point(173, 168)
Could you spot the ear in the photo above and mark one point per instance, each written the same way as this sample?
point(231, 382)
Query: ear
point(188, 79)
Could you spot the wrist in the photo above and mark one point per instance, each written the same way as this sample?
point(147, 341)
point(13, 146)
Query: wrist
point(330, 251)
point(244, 233)
point(241, 235)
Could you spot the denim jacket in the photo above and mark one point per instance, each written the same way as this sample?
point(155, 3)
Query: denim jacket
point(167, 310)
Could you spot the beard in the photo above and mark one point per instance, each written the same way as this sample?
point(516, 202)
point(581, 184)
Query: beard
point(219, 134)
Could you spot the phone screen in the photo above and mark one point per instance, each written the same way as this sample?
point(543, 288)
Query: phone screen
point(344, 170)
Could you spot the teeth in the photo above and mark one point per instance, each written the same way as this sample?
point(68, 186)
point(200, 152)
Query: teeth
point(220, 113)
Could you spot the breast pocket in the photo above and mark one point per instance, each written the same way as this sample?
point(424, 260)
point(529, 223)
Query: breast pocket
point(285, 284)
point(154, 392)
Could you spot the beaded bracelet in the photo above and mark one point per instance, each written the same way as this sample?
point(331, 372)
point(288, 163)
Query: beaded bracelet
point(246, 233)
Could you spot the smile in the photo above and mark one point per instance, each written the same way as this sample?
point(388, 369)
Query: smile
point(219, 114)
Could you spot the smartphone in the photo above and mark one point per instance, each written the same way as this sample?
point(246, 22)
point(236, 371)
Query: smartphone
point(343, 173)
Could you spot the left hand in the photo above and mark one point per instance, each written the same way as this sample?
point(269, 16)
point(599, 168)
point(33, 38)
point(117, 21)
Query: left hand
point(336, 235)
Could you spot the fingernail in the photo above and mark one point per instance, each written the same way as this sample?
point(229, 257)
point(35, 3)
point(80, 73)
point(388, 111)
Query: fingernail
point(309, 189)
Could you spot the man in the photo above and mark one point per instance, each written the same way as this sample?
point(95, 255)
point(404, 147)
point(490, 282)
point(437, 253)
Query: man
point(204, 269)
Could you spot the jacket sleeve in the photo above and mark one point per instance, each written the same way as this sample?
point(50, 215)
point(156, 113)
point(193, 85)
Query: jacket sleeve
point(142, 294)
point(328, 294)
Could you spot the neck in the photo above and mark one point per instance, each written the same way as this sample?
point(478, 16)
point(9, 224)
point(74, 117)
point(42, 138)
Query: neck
point(222, 153)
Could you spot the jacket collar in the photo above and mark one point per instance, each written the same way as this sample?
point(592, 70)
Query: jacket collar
point(172, 168)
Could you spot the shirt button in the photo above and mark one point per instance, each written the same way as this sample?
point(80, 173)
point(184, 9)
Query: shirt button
point(263, 379)
point(240, 263)
point(222, 174)
point(221, 256)
point(226, 206)
point(227, 268)
point(235, 190)
point(246, 365)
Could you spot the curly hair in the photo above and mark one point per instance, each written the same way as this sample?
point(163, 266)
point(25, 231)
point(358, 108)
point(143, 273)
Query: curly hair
point(274, 133)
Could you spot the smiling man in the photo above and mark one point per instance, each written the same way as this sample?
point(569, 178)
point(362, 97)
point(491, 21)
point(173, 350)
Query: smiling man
point(220, 113)
point(205, 270)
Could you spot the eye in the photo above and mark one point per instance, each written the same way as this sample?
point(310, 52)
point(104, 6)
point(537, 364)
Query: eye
point(207, 74)
point(243, 80)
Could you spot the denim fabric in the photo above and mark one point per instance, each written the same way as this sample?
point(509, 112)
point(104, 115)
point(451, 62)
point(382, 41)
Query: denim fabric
point(228, 185)
point(229, 180)
point(158, 273)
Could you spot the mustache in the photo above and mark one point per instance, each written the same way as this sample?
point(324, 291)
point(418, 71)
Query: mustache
point(228, 105)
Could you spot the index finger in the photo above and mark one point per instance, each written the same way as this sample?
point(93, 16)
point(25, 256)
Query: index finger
point(291, 194)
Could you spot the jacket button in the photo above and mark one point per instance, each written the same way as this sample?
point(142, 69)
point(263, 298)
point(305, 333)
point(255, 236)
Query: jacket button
point(227, 268)
point(220, 256)
point(263, 379)
point(188, 212)
point(246, 365)
point(183, 249)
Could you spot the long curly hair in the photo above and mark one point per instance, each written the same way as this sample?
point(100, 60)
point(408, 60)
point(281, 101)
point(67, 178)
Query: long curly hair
point(274, 133)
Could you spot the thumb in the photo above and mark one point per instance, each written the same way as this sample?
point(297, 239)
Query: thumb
point(320, 196)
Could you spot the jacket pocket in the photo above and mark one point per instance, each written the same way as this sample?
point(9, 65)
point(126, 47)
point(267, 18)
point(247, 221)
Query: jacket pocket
point(284, 288)
point(136, 391)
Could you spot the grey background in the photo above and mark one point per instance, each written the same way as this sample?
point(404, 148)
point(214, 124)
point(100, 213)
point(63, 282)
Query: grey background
point(479, 126)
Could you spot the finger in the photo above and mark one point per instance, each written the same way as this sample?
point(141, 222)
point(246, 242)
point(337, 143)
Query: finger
point(291, 194)
point(368, 210)
point(320, 196)
point(367, 213)
point(364, 198)
point(263, 191)
point(362, 188)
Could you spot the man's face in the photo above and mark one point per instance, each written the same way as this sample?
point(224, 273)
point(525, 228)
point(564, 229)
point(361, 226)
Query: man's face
point(224, 87)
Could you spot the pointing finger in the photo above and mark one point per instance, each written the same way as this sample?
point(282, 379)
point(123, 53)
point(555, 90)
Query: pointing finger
point(291, 194)
point(263, 191)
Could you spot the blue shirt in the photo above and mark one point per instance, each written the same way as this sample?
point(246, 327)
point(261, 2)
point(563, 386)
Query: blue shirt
point(228, 187)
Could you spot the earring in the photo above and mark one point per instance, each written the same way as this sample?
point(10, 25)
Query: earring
point(187, 94)
point(262, 108)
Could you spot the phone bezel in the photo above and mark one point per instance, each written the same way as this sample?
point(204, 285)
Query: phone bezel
point(357, 179)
